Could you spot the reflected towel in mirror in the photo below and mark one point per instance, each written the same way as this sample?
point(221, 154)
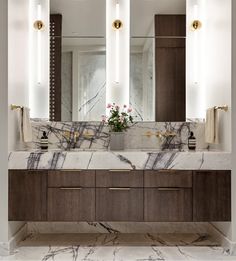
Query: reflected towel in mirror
point(25, 128)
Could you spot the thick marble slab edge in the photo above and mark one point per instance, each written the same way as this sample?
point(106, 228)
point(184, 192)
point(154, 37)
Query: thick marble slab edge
point(198, 160)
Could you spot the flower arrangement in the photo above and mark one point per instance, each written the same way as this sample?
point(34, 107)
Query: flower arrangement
point(119, 119)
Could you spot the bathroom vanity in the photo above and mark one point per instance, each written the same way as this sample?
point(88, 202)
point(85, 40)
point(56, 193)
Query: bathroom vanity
point(120, 188)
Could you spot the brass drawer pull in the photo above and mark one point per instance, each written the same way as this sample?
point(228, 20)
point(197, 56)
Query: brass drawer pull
point(168, 189)
point(119, 170)
point(119, 189)
point(64, 188)
point(71, 170)
point(166, 170)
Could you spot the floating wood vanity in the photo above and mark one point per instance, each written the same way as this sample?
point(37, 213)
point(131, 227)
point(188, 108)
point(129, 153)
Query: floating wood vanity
point(120, 195)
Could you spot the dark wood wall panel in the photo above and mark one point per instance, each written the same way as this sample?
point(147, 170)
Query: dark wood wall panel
point(27, 195)
point(55, 67)
point(170, 32)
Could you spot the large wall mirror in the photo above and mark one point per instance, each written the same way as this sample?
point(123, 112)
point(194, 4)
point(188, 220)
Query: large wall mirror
point(78, 66)
point(79, 91)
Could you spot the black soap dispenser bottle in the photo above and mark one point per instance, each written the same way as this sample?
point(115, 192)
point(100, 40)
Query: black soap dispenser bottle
point(44, 141)
point(191, 141)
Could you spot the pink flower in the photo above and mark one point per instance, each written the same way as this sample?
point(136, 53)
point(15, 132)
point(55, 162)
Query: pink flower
point(117, 107)
point(109, 105)
point(130, 109)
point(121, 119)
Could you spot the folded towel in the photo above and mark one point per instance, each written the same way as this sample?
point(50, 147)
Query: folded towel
point(212, 126)
point(25, 128)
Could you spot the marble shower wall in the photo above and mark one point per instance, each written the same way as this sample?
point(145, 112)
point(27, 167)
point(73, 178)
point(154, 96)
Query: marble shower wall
point(95, 135)
point(66, 86)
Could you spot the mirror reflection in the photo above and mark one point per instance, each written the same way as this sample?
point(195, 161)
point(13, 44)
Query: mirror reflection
point(78, 58)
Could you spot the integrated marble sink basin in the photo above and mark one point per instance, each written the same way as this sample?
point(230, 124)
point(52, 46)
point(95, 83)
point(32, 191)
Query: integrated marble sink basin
point(127, 159)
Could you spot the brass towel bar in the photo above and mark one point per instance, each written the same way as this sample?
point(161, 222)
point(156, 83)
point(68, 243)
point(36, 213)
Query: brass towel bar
point(223, 108)
point(14, 107)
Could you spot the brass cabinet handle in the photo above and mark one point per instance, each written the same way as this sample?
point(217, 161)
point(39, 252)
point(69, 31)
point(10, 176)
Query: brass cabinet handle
point(65, 188)
point(168, 189)
point(71, 170)
point(166, 170)
point(119, 189)
point(119, 170)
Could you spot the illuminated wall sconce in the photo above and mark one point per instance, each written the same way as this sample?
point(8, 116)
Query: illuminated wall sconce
point(38, 25)
point(38, 58)
point(117, 54)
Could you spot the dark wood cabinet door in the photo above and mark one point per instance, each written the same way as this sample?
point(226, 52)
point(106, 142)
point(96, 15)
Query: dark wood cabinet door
point(167, 204)
point(27, 195)
point(71, 204)
point(71, 178)
point(119, 204)
point(119, 178)
point(168, 178)
point(212, 195)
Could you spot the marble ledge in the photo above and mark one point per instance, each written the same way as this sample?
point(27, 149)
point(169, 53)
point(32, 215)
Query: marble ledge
point(199, 160)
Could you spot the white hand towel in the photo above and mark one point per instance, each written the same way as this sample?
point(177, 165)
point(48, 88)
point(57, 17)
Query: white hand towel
point(19, 114)
point(27, 128)
point(212, 126)
point(24, 124)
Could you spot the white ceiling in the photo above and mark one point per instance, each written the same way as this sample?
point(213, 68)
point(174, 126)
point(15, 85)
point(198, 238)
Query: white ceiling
point(88, 17)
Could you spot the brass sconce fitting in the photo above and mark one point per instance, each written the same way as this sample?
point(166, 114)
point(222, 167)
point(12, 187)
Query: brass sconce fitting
point(196, 24)
point(117, 24)
point(38, 25)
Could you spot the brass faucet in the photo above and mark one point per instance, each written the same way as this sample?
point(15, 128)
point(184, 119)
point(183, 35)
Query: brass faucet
point(71, 138)
point(160, 134)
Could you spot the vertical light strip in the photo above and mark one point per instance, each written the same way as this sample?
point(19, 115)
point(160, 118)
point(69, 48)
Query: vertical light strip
point(39, 59)
point(39, 47)
point(117, 52)
point(195, 48)
point(117, 77)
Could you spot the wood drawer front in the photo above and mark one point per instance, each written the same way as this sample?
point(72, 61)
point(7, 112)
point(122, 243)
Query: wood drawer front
point(84, 178)
point(119, 204)
point(167, 205)
point(168, 178)
point(27, 195)
point(71, 204)
point(212, 195)
point(119, 178)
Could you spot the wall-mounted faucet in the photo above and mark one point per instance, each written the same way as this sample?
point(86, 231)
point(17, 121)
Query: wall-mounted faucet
point(160, 134)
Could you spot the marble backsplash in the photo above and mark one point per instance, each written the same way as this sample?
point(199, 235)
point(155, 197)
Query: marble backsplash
point(95, 135)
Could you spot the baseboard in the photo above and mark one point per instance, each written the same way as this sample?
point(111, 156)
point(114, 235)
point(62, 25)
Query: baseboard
point(228, 245)
point(7, 248)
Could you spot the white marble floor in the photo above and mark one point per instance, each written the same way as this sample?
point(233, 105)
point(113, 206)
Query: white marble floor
point(118, 253)
point(118, 247)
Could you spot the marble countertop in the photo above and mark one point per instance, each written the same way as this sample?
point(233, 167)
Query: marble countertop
point(128, 159)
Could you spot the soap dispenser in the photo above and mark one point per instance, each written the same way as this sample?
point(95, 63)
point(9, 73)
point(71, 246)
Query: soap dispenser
point(191, 141)
point(44, 141)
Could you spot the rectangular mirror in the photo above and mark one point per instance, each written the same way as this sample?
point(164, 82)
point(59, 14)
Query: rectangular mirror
point(142, 82)
point(157, 69)
point(77, 60)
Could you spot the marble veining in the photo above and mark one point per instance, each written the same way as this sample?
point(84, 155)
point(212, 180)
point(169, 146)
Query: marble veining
point(105, 248)
point(117, 227)
point(95, 135)
point(120, 160)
